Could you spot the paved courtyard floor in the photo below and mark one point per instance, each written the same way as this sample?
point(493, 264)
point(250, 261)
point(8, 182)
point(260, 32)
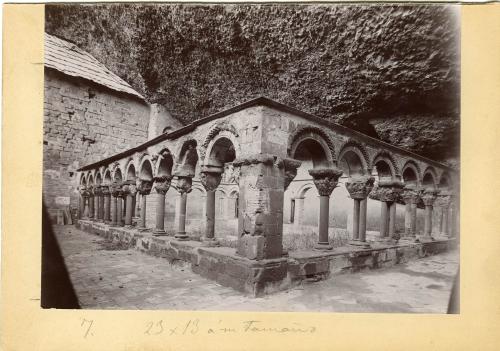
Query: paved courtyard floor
point(107, 278)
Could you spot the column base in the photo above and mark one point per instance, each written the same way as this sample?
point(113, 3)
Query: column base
point(385, 240)
point(181, 236)
point(159, 232)
point(210, 242)
point(323, 246)
point(359, 244)
point(411, 239)
point(426, 238)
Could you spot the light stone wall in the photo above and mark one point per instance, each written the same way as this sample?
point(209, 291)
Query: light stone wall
point(74, 112)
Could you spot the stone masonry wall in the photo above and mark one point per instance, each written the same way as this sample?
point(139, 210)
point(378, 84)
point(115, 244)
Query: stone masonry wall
point(75, 111)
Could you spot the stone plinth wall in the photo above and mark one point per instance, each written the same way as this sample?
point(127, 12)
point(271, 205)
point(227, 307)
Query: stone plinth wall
point(260, 277)
point(83, 123)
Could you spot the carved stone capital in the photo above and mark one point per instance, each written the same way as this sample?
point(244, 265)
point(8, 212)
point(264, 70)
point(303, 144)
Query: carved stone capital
point(429, 196)
point(144, 186)
point(411, 195)
point(360, 187)
point(388, 191)
point(97, 190)
point(83, 190)
point(105, 190)
point(116, 189)
point(325, 179)
point(162, 184)
point(184, 184)
point(129, 188)
point(210, 177)
point(444, 199)
point(290, 166)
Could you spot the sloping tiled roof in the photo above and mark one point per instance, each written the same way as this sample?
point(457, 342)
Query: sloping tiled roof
point(69, 59)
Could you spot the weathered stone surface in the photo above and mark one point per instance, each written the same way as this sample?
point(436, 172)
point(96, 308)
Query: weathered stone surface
point(267, 275)
point(288, 52)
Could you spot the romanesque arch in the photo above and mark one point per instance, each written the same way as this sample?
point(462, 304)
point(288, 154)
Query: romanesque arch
point(411, 173)
point(83, 179)
point(429, 178)
point(98, 178)
point(117, 175)
point(223, 128)
point(146, 169)
point(187, 158)
point(107, 176)
point(130, 170)
point(353, 159)
point(164, 163)
point(315, 143)
point(445, 181)
point(385, 165)
point(222, 149)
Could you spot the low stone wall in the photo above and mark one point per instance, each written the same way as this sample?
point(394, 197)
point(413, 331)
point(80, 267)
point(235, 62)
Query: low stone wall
point(260, 277)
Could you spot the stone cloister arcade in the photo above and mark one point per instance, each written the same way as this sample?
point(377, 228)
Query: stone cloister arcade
point(252, 154)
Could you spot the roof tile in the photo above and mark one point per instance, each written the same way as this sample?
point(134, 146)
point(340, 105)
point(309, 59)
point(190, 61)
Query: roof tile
point(69, 59)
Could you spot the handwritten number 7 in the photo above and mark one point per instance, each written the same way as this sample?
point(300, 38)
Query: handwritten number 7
point(89, 322)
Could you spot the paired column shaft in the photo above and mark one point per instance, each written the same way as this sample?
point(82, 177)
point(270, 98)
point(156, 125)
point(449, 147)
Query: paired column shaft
point(355, 219)
point(114, 210)
point(392, 220)
point(362, 219)
point(428, 220)
point(160, 214)
point(128, 210)
point(119, 212)
point(182, 215)
point(142, 223)
point(210, 215)
point(324, 211)
point(91, 206)
point(384, 209)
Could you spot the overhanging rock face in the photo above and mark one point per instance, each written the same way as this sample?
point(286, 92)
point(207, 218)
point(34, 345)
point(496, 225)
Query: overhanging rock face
point(265, 143)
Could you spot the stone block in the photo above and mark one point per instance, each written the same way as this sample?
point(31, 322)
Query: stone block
point(251, 247)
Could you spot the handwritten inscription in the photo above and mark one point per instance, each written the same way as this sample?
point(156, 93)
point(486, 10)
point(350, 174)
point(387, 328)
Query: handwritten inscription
point(195, 326)
point(87, 327)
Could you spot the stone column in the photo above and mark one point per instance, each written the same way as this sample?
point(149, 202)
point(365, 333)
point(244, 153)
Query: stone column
point(444, 201)
point(455, 222)
point(107, 203)
point(119, 208)
point(144, 189)
point(115, 193)
point(97, 203)
point(392, 221)
point(130, 190)
point(101, 205)
point(183, 186)
point(359, 188)
point(210, 177)
point(161, 186)
point(325, 180)
point(83, 202)
point(290, 167)
point(428, 197)
point(411, 197)
point(388, 192)
point(91, 202)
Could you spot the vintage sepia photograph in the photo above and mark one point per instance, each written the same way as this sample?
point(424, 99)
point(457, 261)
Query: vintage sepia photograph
point(252, 157)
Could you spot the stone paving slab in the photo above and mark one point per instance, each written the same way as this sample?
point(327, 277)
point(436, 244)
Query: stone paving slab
point(129, 279)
